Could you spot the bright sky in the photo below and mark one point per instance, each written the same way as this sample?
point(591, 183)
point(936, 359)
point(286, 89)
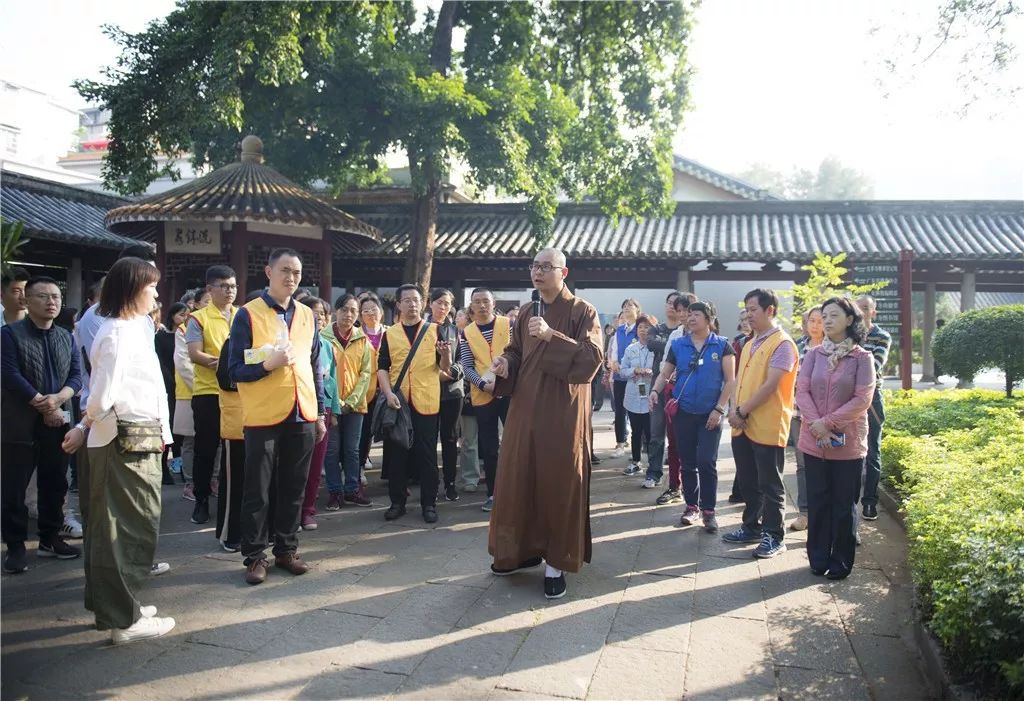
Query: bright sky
point(781, 82)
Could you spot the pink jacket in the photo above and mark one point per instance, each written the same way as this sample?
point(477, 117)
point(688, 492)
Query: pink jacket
point(841, 396)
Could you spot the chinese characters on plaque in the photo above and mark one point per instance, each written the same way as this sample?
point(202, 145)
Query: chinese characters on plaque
point(887, 299)
point(192, 237)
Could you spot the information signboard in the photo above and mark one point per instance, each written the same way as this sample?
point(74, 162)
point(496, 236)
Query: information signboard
point(887, 299)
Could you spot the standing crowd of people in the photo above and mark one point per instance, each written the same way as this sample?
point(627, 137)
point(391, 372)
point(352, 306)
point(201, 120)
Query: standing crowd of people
point(255, 404)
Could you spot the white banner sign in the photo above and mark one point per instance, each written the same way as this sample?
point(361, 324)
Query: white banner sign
point(192, 237)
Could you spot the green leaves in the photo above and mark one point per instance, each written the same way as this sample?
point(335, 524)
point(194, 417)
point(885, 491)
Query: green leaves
point(954, 457)
point(983, 338)
point(13, 238)
point(581, 98)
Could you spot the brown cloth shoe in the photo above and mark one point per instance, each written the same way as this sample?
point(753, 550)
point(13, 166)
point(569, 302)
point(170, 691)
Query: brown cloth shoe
point(256, 571)
point(292, 563)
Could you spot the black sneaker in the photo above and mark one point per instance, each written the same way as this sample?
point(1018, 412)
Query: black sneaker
point(450, 494)
point(524, 565)
point(59, 549)
point(870, 512)
point(554, 587)
point(201, 514)
point(15, 561)
point(430, 514)
point(394, 511)
point(594, 460)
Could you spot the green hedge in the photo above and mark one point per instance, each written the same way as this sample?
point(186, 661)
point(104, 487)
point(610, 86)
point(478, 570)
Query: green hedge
point(956, 459)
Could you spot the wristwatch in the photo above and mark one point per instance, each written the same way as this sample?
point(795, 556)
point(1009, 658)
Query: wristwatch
point(720, 409)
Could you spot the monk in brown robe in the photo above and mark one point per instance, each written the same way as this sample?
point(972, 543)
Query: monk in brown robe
point(542, 495)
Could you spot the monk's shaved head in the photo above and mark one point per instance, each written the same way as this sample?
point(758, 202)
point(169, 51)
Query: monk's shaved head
point(551, 255)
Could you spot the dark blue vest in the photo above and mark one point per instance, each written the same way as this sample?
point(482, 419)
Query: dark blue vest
point(623, 339)
point(698, 387)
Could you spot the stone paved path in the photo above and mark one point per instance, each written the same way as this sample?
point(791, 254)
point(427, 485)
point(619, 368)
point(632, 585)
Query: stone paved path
point(409, 611)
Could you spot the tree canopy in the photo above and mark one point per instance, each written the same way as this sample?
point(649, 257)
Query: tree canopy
point(832, 181)
point(537, 99)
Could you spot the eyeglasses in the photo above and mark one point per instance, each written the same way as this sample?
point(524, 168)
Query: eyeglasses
point(227, 287)
point(543, 267)
point(44, 297)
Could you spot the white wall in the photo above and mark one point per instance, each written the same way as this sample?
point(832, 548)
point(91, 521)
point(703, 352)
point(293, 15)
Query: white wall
point(45, 128)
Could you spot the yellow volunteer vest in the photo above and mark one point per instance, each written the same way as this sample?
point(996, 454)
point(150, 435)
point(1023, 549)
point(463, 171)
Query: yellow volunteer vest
point(230, 416)
point(371, 391)
point(769, 423)
point(349, 361)
point(484, 353)
point(421, 385)
point(181, 390)
point(270, 401)
point(215, 332)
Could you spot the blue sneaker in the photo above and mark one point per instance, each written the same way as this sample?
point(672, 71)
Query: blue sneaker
point(742, 535)
point(769, 547)
point(174, 465)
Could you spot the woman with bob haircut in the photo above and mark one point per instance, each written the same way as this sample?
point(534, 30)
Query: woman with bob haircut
point(834, 390)
point(126, 394)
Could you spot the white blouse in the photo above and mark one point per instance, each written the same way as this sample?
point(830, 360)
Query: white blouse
point(125, 379)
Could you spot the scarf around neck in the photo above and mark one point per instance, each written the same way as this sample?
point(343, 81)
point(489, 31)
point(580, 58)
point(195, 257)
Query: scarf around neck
point(836, 351)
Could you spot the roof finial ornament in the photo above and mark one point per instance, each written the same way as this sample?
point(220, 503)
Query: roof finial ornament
point(252, 149)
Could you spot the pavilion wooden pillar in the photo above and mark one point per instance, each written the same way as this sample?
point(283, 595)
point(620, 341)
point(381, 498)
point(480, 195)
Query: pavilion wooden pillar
point(968, 285)
point(906, 268)
point(163, 288)
point(240, 258)
point(927, 360)
point(326, 269)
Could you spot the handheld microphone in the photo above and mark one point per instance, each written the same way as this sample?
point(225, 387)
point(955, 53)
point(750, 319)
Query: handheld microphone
point(536, 302)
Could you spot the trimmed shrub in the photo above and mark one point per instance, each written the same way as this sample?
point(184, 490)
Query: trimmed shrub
point(957, 460)
point(981, 339)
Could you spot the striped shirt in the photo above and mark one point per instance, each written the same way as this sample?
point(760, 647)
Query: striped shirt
point(466, 354)
point(877, 343)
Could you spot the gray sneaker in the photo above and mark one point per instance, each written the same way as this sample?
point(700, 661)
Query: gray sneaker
point(710, 522)
point(689, 517)
point(488, 505)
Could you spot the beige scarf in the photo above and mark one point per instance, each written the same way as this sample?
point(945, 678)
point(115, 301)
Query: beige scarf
point(837, 351)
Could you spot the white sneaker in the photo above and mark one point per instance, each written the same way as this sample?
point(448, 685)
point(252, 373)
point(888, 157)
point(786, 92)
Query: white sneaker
point(147, 611)
point(368, 465)
point(159, 568)
point(619, 451)
point(72, 527)
point(650, 483)
point(142, 629)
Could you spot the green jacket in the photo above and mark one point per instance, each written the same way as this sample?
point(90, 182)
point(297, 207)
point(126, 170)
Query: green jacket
point(330, 342)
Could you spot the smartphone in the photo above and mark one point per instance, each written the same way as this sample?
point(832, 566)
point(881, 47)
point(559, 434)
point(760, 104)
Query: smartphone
point(839, 441)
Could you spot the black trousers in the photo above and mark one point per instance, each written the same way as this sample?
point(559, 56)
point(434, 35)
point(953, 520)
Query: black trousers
point(420, 460)
point(487, 417)
point(366, 435)
point(206, 411)
point(276, 466)
point(230, 488)
point(759, 470)
point(619, 397)
point(448, 427)
point(832, 490)
point(640, 427)
point(19, 462)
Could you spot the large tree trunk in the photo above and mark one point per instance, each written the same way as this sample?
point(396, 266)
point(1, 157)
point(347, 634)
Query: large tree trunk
point(420, 258)
point(423, 168)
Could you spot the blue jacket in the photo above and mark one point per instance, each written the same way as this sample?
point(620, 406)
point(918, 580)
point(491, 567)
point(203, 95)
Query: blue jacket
point(623, 339)
point(698, 390)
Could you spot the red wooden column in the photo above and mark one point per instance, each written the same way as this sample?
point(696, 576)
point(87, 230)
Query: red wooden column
point(906, 318)
point(240, 258)
point(163, 288)
point(326, 269)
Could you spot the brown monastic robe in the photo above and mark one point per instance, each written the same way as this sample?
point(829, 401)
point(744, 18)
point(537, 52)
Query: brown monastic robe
point(542, 495)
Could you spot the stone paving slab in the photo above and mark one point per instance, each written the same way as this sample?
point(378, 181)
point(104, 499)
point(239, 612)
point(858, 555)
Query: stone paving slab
point(407, 610)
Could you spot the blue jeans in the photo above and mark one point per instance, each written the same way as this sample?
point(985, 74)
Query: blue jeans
point(873, 461)
point(698, 458)
point(343, 450)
